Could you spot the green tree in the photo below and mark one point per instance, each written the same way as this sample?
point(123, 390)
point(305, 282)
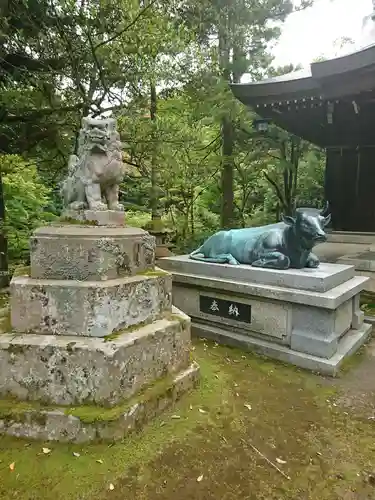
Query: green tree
point(27, 204)
point(237, 34)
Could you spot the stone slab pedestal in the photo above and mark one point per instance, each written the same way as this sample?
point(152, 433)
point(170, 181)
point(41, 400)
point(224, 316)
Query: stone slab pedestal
point(364, 263)
point(87, 253)
point(310, 318)
point(88, 308)
point(353, 248)
point(91, 328)
point(65, 370)
point(92, 423)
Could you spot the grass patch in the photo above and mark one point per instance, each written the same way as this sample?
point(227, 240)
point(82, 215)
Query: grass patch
point(132, 328)
point(22, 271)
point(288, 415)
point(92, 414)
point(367, 301)
point(352, 361)
point(5, 323)
point(153, 272)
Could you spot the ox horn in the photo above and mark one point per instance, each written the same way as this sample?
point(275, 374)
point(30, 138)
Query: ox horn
point(325, 210)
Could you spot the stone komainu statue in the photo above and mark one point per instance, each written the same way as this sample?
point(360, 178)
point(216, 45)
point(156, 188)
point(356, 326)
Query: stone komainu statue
point(97, 170)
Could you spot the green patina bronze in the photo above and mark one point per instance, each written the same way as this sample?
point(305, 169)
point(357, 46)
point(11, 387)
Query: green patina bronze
point(275, 246)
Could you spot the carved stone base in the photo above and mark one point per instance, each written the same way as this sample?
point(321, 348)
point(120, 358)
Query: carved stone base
point(87, 253)
point(88, 308)
point(97, 217)
point(89, 423)
point(75, 370)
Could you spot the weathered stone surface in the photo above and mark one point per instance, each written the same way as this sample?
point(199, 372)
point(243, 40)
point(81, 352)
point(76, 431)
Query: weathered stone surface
point(89, 253)
point(88, 308)
point(64, 426)
point(100, 217)
point(322, 279)
point(73, 370)
point(331, 299)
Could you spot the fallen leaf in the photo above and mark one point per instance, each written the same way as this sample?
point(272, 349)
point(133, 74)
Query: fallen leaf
point(248, 406)
point(12, 466)
point(280, 461)
point(111, 487)
point(46, 451)
point(76, 454)
point(199, 479)
point(100, 461)
point(201, 411)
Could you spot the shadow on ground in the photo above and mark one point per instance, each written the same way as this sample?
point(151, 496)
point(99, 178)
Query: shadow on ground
point(319, 432)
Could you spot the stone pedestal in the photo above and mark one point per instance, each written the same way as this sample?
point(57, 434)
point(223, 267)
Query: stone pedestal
point(356, 249)
point(92, 330)
point(308, 317)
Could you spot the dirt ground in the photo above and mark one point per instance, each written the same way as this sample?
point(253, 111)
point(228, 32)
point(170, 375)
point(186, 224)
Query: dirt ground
point(254, 429)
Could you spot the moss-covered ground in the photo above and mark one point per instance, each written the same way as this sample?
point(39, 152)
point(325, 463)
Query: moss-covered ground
point(368, 303)
point(309, 427)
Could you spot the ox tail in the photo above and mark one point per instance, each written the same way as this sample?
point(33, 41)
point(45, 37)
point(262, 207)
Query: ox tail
point(198, 255)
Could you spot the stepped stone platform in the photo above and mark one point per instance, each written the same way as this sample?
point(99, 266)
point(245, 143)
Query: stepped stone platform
point(307, 317)
point(356, 249)
point(88, 308)
point(91, 331)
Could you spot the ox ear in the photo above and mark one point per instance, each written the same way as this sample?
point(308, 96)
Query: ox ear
point(290, 221)
point(327, 220)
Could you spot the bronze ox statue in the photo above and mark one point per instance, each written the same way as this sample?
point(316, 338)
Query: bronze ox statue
point(276, 246)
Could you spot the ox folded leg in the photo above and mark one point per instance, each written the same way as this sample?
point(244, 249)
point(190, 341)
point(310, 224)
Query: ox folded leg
point(312, 261)
point(273, 260)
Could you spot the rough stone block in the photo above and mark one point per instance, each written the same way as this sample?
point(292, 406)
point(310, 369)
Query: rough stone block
point(85, 424)
point(88, 308)
point(72, 370)
point(100, 217)
point(88, 253)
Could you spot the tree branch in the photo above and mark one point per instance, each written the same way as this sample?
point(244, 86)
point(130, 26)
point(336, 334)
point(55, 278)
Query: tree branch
point(121, 32)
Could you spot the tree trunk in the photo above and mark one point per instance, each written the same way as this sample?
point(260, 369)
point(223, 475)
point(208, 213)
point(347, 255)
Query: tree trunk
point(4, 271)
point(155, 215)
point(227, 137)
point(227, 174)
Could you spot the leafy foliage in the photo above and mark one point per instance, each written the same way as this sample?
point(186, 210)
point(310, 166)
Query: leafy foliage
point(27, 204)
point(162, 68)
